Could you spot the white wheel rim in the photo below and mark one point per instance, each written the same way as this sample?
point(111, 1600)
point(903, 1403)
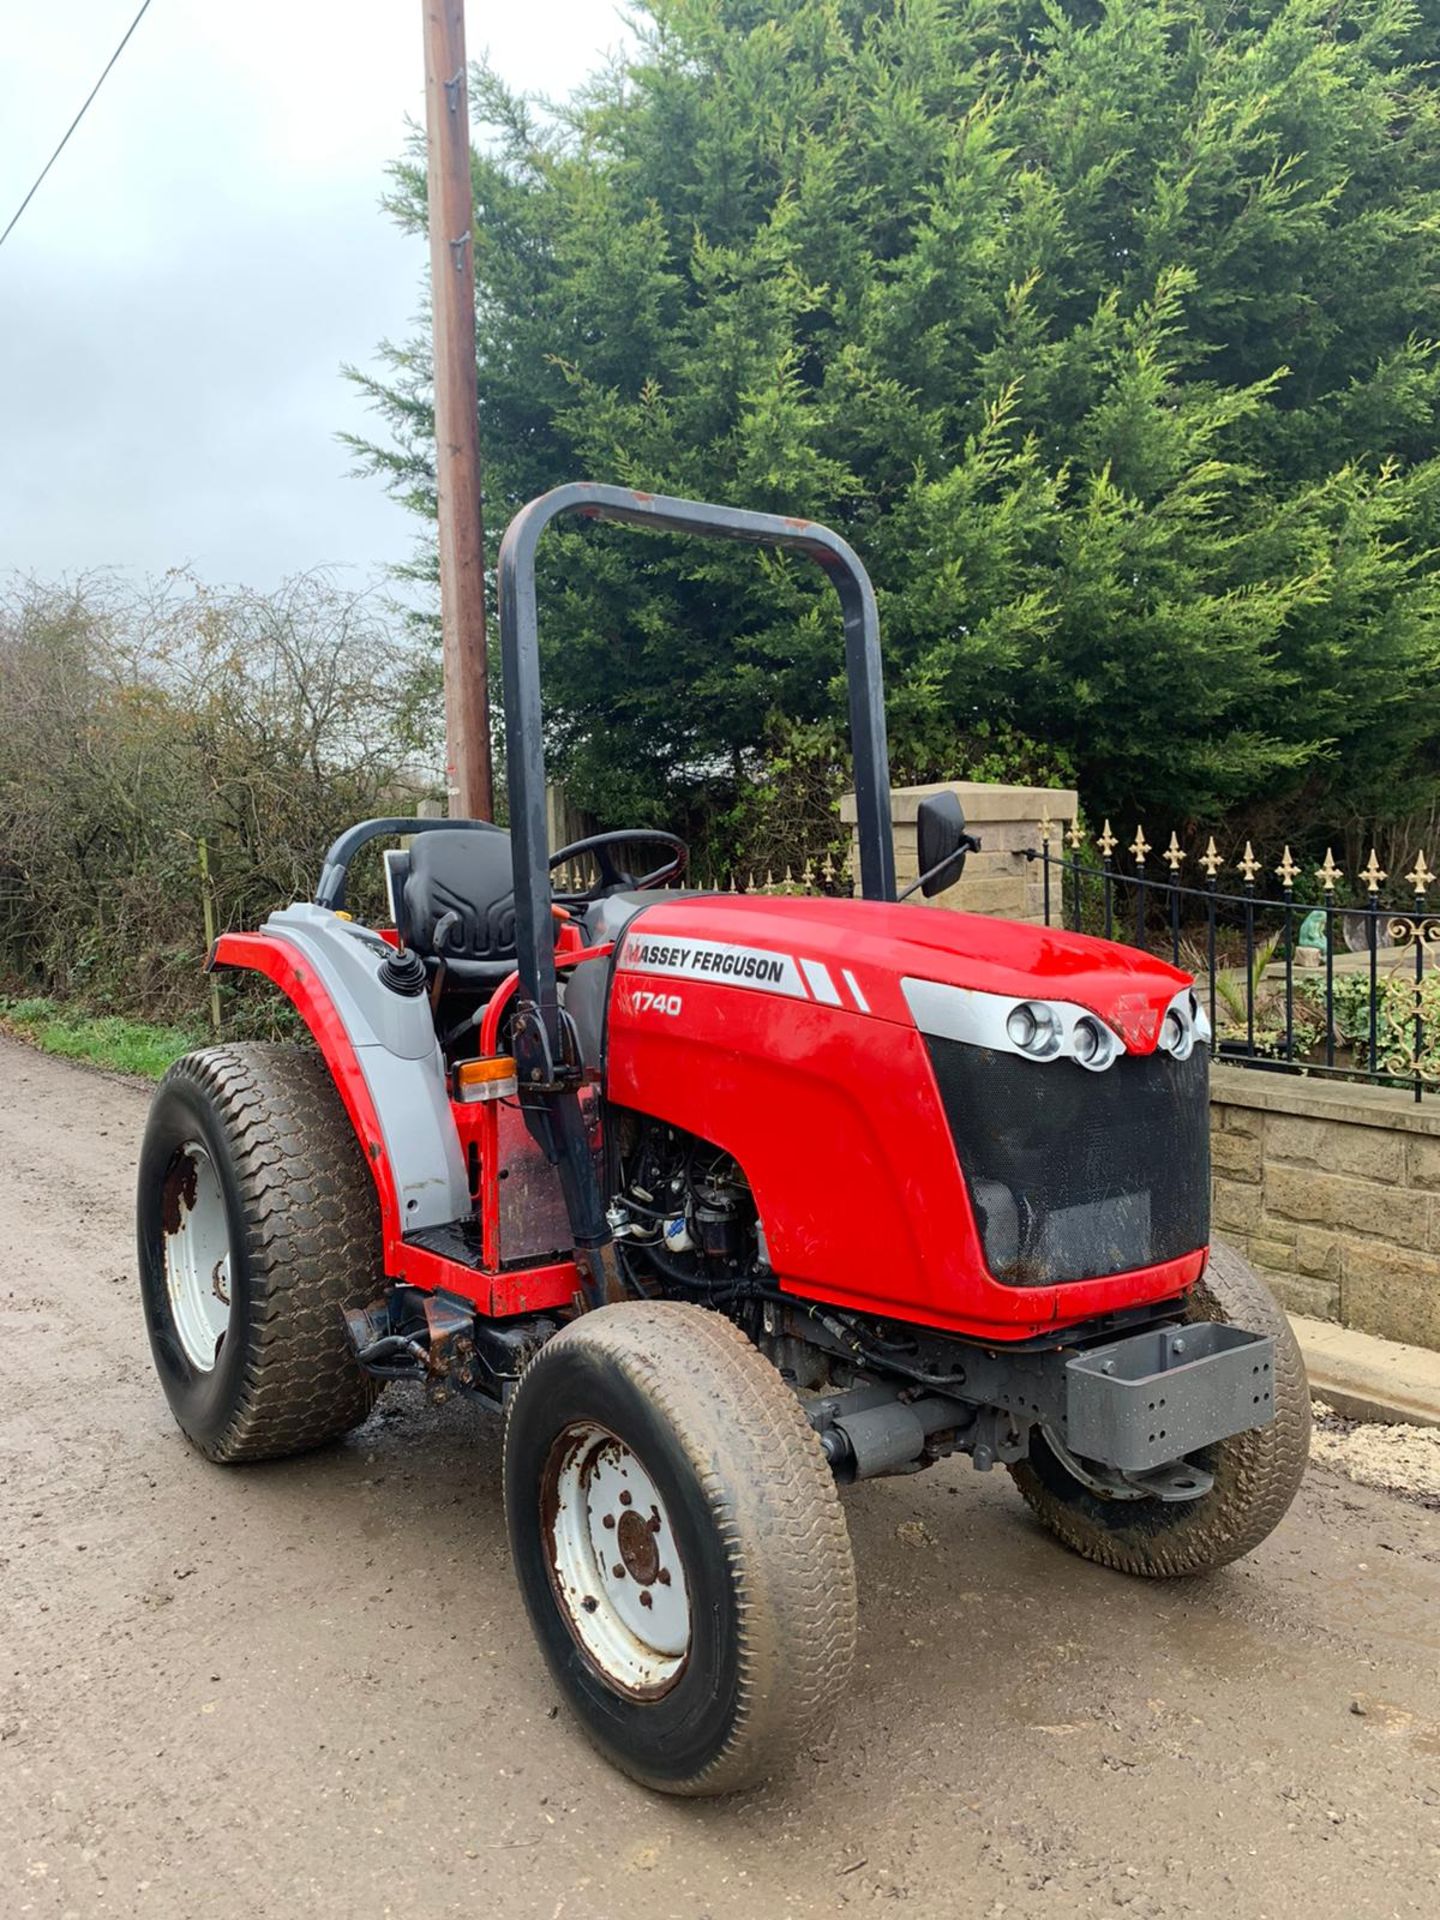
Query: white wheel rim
point(614, 1562)
point(196, 1233)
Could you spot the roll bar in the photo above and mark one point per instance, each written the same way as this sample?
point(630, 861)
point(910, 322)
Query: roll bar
point(540, 1041)
point(335, 873)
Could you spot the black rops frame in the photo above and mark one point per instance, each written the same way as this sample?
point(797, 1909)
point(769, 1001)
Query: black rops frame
point(541, 1051)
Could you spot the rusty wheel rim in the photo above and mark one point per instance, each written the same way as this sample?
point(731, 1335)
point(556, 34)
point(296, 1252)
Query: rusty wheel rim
point(614, 1562)
point(195, 1231)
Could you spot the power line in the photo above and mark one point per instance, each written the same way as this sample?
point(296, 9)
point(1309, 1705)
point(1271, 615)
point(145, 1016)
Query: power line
point(145, 8)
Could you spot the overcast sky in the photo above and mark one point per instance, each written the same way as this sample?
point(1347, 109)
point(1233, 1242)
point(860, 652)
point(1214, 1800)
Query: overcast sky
point(178, 299)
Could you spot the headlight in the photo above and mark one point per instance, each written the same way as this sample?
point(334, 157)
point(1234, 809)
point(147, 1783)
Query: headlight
point(1037, 1029)
point(1184, 1023)
point(1093, 1044)
point(1034, 1028)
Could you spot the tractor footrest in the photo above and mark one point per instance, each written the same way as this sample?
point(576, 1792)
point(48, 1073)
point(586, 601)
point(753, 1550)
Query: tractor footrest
point(457, 1240)
point(1140, 1402)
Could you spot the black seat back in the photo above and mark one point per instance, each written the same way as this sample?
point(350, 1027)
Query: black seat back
point(454, 898)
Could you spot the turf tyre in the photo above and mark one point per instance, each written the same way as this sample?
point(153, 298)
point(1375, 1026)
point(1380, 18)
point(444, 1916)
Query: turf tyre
point(1257, 1474)
point(304, 1235)
point(759, 1527)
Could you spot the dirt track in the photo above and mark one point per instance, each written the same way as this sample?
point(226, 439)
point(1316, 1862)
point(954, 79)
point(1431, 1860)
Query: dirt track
point(307, 1689)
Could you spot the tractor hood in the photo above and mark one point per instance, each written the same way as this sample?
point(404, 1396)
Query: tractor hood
point(866, 957)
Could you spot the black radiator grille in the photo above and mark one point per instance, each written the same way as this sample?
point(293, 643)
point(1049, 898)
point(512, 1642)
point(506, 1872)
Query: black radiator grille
point(1075, 1175)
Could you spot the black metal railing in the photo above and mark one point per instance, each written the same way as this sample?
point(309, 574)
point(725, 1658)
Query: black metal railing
point(1334, 986)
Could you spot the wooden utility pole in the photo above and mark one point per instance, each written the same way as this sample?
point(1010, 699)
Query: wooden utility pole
point(457, 421)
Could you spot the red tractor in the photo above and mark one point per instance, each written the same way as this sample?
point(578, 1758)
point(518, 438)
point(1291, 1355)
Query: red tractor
point(726, 1202)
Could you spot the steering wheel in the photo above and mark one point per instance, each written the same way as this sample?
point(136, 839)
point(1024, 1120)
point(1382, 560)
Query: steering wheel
point(612, 878)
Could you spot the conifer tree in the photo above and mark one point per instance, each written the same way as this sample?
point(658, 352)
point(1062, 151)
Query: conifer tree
point(1103, 328)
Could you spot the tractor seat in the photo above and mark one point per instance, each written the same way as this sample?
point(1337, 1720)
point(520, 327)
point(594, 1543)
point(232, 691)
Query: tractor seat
point(454, 901)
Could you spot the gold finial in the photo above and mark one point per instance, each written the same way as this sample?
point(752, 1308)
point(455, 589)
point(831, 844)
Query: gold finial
point(1106, 840)
point(1329, 873)
point(1074, 836)
point(1047, 827)
point(1373, 874)
point(1248, 864)
point(1420, 876)
point(1211, 860)
point(1287, 871)
point(1140, 846)
point(1173, 855)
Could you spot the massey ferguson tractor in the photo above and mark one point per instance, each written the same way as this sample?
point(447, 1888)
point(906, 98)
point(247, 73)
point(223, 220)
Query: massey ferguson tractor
point(726, 1203)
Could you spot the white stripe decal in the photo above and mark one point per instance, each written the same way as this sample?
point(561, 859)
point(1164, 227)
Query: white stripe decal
point(716, 960)
point(821, 985)
point(854, 985)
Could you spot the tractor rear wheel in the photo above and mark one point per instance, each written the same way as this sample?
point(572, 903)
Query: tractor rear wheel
point(1256, 1474)
point(257, 1224)
point(679, 1544)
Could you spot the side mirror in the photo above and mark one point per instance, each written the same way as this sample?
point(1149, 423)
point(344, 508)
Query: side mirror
point(941, 844)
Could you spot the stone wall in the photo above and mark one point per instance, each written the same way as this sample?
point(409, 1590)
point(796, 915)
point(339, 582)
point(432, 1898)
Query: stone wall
point(1006, 820)
point(1334, 1193)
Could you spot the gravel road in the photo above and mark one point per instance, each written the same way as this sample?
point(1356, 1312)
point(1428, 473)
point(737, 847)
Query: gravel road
point(307, 1688)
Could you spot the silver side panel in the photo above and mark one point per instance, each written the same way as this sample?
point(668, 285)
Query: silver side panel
point(394, 1041)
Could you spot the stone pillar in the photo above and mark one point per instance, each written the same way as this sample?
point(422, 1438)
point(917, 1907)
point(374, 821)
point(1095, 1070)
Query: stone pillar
point(1006, 820)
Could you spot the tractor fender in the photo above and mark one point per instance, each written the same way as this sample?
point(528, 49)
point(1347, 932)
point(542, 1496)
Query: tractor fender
point(381, 1049)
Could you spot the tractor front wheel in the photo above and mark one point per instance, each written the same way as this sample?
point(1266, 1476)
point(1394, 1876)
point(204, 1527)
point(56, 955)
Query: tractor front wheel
point(257, 1223)
point(1256, 1474)
point(679, 1545)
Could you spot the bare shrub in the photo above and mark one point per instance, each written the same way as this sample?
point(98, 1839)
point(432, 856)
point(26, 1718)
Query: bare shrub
point(149, 738)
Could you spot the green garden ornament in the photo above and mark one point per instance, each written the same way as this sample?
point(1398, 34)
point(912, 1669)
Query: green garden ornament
point(1311, 941)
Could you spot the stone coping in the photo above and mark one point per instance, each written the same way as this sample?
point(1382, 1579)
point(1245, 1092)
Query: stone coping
point(1365, 1378)
point(1388, 960)
point(981, 799)
point(1269, 1092)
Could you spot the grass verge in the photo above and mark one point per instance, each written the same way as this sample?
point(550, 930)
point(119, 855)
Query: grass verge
point(99, 1039)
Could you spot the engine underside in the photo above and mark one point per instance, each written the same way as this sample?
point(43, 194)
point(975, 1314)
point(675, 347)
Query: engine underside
point(884, 1397)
